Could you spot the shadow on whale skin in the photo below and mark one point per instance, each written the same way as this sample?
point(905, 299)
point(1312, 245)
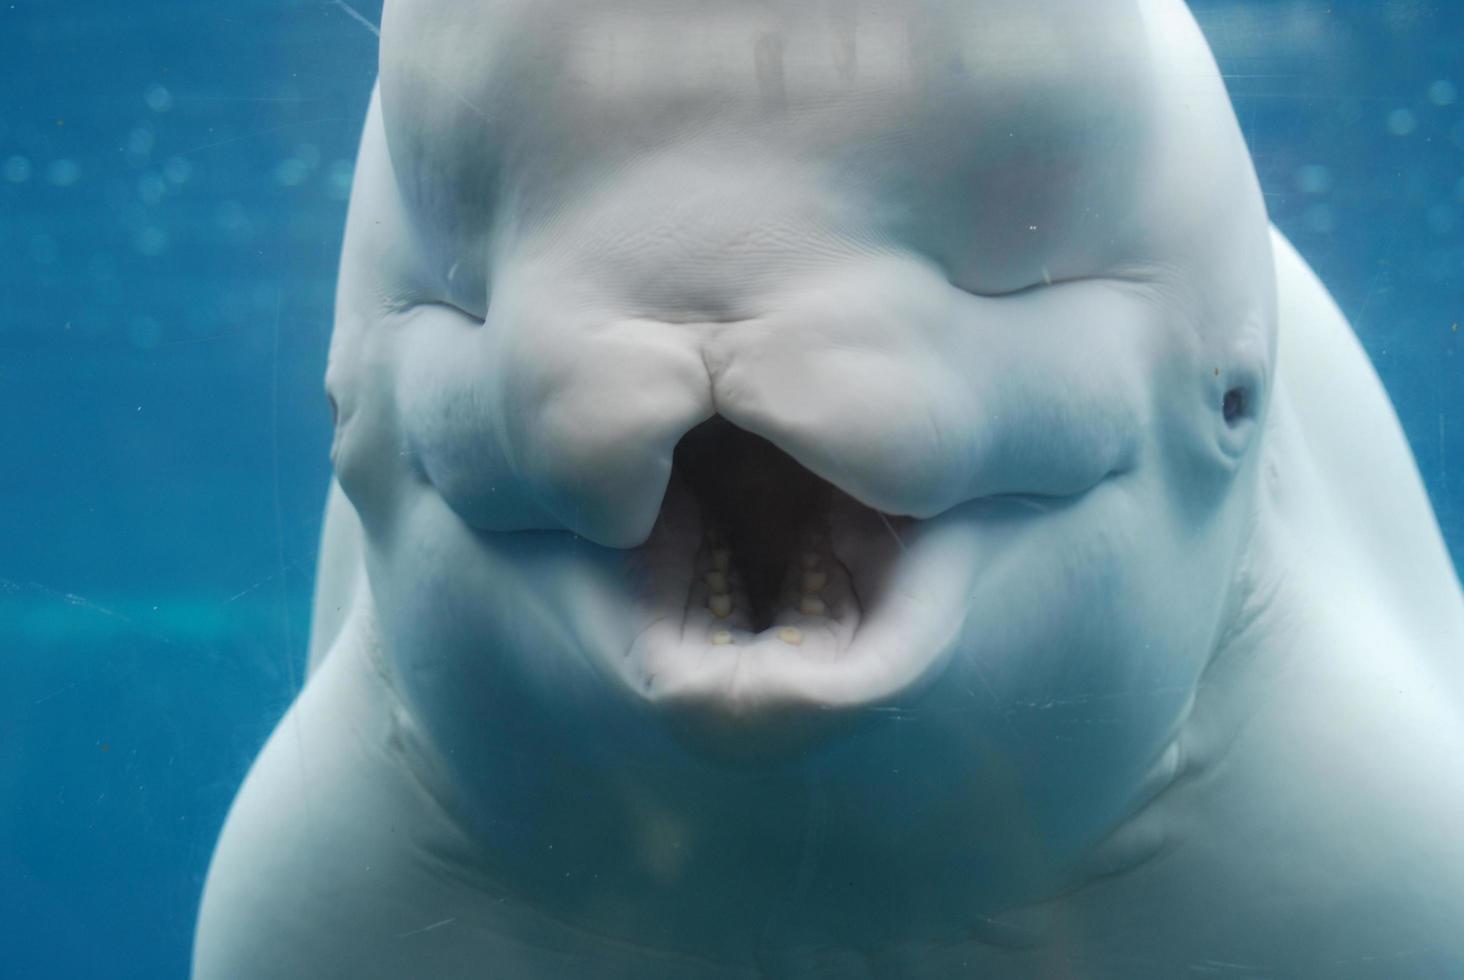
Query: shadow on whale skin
point(851, 492)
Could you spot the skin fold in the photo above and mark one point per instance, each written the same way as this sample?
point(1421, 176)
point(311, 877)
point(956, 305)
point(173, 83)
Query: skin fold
point(1137, 651)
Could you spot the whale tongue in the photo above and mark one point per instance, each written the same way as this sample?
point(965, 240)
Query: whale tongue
point(757, 499)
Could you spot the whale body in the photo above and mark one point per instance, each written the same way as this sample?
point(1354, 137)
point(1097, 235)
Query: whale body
point(846, 490)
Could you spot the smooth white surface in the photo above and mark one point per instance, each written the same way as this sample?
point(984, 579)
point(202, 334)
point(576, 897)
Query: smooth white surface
point(1141, 689)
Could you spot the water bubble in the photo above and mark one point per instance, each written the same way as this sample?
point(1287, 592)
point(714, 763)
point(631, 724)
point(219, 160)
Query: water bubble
point(139, 145)
point(63, 173)
point(234, 222)
point(178, 170)
point(1321, 219)
point(144, 333)
point(1402, 122)
point(43, 249)
point(338, 180)
point(291, 172)
point(158, 98)
point(17, 170)
point(1443, 92)
point(152, 240)
point(1314, 179)
point(151, 188)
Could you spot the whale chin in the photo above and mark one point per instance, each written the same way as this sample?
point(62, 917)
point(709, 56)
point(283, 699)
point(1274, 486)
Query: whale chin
point(778, 608)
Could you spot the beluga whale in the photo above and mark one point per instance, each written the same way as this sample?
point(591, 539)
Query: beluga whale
point(846, 489)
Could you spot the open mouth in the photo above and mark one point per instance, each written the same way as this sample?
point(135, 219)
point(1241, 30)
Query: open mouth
point(772, 590)
point(765, 560)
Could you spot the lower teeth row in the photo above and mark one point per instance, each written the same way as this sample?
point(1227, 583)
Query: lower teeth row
point(790, 635)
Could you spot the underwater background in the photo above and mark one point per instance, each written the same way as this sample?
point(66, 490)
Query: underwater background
point(173, 183)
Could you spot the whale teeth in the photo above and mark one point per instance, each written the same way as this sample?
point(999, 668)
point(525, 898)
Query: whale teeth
point(811, 588)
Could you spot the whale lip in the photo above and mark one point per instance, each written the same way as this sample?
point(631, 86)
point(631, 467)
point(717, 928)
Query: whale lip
point(868, 609)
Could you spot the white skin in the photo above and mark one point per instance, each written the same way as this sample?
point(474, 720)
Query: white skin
point(1138, 647)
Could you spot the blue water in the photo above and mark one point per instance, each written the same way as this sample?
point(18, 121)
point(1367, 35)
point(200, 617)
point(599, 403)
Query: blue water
point(173, 177)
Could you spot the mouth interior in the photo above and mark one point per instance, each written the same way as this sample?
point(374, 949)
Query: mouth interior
point(796, 595)
point(760, 509)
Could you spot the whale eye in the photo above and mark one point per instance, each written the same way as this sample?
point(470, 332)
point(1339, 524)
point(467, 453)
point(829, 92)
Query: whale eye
point(335, 412)
point(1235, 405)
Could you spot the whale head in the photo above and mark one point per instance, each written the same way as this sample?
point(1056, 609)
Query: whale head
point(862, 386)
